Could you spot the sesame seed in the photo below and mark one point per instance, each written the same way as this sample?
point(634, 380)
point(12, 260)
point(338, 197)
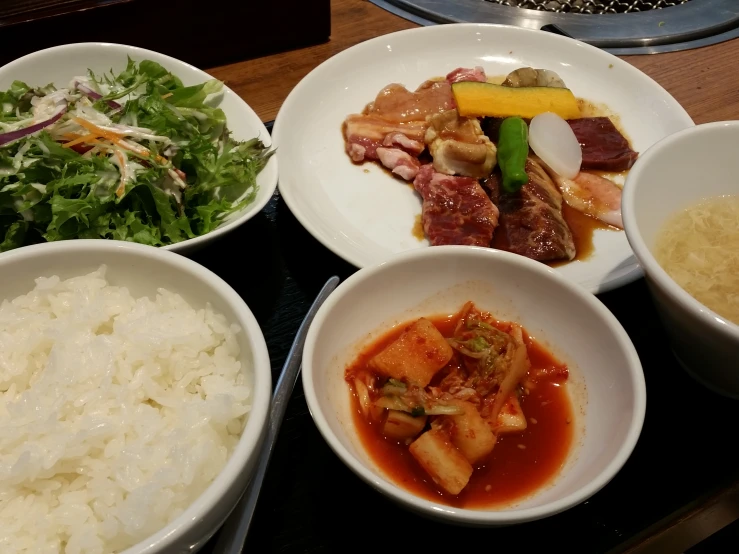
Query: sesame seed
point(527, 391)
point(522, 446)
point(533, 420)
point(568, 420)
point(488, 488)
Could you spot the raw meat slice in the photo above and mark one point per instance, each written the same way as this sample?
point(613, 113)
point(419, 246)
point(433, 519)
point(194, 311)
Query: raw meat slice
point(399, 162)
point(465, 74)
point(531, 220)
point(456, 210)
point(603, 146)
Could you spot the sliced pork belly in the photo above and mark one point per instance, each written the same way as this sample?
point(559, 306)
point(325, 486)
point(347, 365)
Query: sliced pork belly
point(399, 162)
point(458, 145)
point(464, 74)
point(363, 134)
point(399, 140)
point(531, 220)
point(603, 146)
point(396, 119)
point(456, 210)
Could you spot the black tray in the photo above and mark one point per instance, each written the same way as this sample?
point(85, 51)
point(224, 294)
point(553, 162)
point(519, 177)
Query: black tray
point(312, 503)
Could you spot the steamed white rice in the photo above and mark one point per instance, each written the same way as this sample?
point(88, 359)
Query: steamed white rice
point(115, 413)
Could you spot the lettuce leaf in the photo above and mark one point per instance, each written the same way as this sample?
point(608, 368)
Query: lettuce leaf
point(14, 236)
point(58, 194)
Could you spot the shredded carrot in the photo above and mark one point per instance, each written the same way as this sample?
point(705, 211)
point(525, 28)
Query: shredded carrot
point(165, 96)
point(143, 151)
point(85, 138)
point(116, 139)
point(110, 135)
point(122, 187)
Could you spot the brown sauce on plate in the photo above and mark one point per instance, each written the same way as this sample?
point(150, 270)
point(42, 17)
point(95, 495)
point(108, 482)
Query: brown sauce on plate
point(583, 227)
point(418, 228)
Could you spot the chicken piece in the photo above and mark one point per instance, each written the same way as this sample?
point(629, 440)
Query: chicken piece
point(510, 418)
point(458, 146)
point(399, 162)
point(400, 425)
point(396, 103)
point(446, 465)
point(530, 77)
point(592, 195)
point(471, 434)
point(415, 356)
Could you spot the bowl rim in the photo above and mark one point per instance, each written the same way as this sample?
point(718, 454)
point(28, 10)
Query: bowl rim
point(250, 440)
point(651, 267)
point(461, 515)
point(252, 209)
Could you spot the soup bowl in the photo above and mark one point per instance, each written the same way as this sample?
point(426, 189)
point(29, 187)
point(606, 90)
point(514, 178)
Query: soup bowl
point(606, 383)
point(677, 172)
point(60, 64)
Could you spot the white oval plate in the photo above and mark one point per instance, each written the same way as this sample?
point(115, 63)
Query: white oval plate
point(60, 64)
point(364, 215)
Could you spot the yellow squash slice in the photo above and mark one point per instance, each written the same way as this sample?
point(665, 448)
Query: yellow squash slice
point(476, 99)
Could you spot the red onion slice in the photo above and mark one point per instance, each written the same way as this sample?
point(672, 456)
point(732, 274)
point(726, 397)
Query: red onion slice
point(87, 91)
point(20, 133)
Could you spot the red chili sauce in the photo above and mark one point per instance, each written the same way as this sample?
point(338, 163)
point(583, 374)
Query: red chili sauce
point(519, 464)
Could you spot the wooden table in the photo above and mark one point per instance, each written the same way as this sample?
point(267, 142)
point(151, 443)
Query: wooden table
point(705, 81)
point(680, 485)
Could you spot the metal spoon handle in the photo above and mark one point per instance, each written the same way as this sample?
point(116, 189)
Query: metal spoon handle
point(234, 531)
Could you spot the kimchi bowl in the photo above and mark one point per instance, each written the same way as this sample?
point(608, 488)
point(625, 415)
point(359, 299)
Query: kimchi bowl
point(354, 350)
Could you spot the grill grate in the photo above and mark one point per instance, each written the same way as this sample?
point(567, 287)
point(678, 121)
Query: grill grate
point(591, 6)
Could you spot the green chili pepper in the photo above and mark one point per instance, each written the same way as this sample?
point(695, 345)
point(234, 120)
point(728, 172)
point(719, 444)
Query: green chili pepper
point(513, 149)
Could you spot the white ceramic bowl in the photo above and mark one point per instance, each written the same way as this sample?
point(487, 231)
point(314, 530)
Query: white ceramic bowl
point(60, 64)
point(133, 265)
point(606, 382)
point(678, 171)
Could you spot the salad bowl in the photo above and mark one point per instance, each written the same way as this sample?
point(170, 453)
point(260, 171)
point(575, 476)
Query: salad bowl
point(83, 69)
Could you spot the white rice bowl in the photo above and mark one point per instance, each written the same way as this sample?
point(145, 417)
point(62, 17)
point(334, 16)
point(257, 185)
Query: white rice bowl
point(117, 412)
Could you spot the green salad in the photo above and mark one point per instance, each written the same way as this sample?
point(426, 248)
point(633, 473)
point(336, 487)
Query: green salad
point(136, 156)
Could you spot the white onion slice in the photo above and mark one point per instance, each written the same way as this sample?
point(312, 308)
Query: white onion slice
point(553, 140)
